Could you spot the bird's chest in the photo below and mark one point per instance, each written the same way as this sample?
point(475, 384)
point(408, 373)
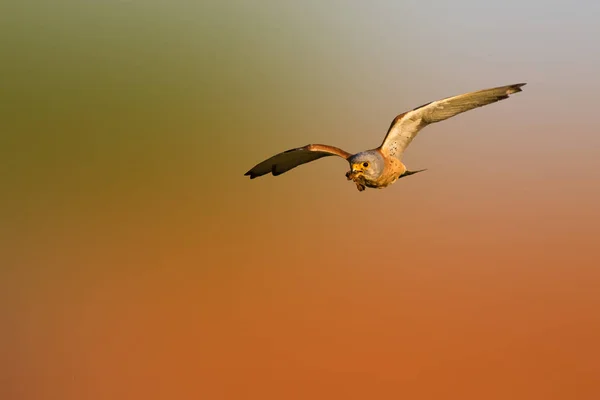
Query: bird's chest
point(393, 170)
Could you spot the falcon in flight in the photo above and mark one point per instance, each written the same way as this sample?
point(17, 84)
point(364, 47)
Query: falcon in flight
point(380, 167)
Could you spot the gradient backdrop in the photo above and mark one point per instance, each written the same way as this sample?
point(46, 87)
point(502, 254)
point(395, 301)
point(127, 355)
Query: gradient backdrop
point(137, 262)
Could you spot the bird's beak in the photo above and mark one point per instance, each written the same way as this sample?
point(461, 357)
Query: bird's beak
point(357, 168)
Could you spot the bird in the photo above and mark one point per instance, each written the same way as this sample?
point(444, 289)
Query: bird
point(380, 167)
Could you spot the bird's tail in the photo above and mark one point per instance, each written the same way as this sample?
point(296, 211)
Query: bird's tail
point(411, 172)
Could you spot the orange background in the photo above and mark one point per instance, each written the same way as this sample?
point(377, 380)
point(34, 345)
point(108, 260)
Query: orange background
point(138, 262)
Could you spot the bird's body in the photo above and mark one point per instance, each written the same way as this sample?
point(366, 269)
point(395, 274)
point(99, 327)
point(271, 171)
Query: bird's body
point(378, 168)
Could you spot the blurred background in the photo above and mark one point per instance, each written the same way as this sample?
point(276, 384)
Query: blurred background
point(136, 260)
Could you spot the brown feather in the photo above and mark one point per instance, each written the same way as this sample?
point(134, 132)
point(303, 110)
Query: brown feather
point(289, 159)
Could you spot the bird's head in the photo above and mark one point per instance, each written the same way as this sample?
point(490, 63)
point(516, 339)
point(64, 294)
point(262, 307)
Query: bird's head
point(367, 165)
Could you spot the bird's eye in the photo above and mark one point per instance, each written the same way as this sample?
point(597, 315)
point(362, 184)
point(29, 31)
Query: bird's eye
point(366, 164)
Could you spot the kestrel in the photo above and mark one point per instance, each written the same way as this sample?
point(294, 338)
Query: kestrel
point(380, 167)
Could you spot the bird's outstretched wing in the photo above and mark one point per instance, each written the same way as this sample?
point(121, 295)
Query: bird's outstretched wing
point(283, 162)
point(405, 126)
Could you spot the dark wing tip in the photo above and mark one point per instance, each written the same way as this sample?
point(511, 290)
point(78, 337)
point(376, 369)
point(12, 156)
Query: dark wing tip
point(274, 170)
point(516, 88)
point(251, 174)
